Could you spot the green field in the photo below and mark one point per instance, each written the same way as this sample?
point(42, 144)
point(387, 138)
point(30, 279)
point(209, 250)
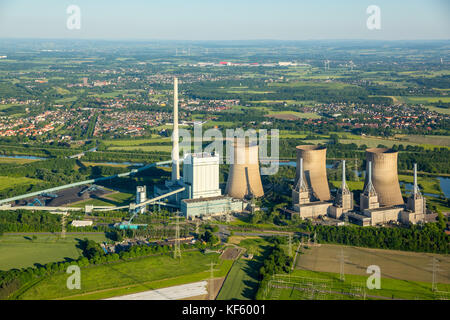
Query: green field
point(19, 251)
point(426, 140)
point(135, 142)
point(131, 276)
point(242, 281)
point(16, 160)
point(166, 148)
point(372, 142)
point(300, 115)
point(302, 283)
point(11, 182)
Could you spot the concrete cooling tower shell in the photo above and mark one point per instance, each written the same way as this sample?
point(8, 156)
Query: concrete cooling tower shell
point(384, 175)
point(244, 178)
point(314, 170)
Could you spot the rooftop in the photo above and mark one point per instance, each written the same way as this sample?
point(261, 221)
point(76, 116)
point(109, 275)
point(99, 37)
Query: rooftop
point(205, 199)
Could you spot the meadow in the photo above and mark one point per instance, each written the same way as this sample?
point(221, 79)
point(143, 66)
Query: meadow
point(132, 276)
point(311, 285)
point(21, 251)
point(12, 182)
point(16, 160)
point(399, 265)
point(404, 275)
point(242, 280)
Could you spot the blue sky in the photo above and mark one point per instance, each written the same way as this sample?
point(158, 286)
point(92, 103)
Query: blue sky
point(226, 20)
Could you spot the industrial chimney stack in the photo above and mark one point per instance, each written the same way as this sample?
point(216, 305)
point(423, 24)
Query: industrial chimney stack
point(175, 137)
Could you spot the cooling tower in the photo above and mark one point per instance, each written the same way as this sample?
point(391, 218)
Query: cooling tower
point(384, 175)
point(314, 169)
point(244, 179)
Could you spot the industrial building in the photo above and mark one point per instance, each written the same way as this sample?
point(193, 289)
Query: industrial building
point(416, 205)
point(141, 196)
point(343, 201)
point(202, 195)
point(314, 170)
point(198, 194)
point(211, 206)
point(311, 194)
point(244, 178)
point(201, 175)
point(380, 202)
point(384, 175)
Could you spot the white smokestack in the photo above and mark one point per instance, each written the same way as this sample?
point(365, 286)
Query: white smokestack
point(175, 137)
point(343, 175)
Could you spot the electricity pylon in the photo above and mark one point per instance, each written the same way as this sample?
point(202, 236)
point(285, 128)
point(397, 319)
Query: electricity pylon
point(177, 251)
point(434, 268)
point(342, 263)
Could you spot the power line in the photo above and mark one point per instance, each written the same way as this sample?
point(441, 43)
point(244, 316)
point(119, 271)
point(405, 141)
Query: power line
point(342, 261)
point(435, 269)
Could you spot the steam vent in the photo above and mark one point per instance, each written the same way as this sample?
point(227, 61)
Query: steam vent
point(244, 179)
point(384, 175)
point(315, 172)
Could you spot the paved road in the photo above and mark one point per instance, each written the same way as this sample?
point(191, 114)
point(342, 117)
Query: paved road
point(171, 293)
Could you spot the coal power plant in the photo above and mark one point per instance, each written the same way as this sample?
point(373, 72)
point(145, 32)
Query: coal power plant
point(198, 194)
point(381, 201)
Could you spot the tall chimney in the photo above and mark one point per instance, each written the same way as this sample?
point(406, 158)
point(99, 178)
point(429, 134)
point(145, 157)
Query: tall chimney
point(301, 182)
point(343, 175)
point(369, 189)
point(416, 191)
point(175, 137)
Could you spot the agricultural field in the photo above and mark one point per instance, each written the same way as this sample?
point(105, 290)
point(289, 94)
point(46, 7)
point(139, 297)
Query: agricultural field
point(439, 110)
point(166, 148)
point(404, 275)
point(425, 140)
point(400, 265)
point(132, 276)
point(312, 285)
point(291, 115)
point(135, 142)
point(22, 251)
point(373, 142)
point(16, 160)
point(92, 164)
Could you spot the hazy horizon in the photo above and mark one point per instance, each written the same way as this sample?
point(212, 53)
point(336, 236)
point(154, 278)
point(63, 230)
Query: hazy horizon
point(244, 20)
